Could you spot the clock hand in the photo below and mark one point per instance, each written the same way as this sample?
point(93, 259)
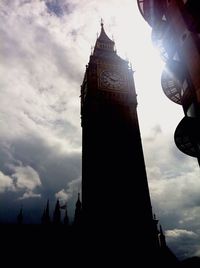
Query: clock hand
point(113, 79)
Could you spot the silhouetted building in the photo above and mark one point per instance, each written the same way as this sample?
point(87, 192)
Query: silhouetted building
point(46, 215)
point(176, 32)
point(116, 202)
point(66, 218)
point(57, 214)
point(20, 216)
point(162, 239)
point(78, 213)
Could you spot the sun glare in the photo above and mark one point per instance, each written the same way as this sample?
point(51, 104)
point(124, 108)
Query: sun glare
point(133, 42)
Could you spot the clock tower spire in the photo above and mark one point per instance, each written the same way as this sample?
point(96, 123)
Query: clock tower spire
point(103, 42)
point(113, 170)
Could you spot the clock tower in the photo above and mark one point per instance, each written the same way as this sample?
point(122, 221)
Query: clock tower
point(115, 195)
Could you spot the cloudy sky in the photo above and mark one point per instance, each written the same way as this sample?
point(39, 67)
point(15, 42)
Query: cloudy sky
point(44, 47)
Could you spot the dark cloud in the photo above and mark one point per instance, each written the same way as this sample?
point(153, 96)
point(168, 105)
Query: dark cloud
point(56, 170)
point(187, 241)
point(59, 7)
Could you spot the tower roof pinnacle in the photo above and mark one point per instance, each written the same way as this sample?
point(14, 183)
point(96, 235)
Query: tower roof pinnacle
point(103, 36)
point(161, 230)
point(105, 47)
point(103, 42)
point(101, 22)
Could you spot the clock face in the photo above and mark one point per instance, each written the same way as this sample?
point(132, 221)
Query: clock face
point(111, 80)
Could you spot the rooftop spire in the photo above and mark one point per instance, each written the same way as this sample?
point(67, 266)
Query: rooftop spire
point(57, 213)
point(101, 22)
point(162, 238)
point(78, 212)
point(161, 230)
point(78, 203)
point(20, 216)
point(104, 43)
point(103, 36)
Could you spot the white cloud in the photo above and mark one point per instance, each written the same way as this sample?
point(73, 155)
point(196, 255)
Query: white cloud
point(42, 78)
point(26, 178)
point(6, 183)
point(23, 179)
point(177, 192)
point(62, 195)
point(178, 233)
point(73, 188)
point(29, 194)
